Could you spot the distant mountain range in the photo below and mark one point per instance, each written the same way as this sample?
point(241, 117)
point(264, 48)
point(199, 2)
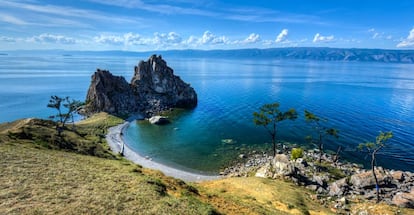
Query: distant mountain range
point(302, 53)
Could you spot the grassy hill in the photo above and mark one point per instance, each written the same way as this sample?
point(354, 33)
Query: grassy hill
point(42, 173)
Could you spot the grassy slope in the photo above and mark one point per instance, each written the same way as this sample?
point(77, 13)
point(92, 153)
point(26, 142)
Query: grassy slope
point(37, 181)
point(37, 176)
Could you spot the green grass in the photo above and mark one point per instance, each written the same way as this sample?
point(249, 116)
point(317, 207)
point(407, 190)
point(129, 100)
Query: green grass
point(86, 137)
point(41, 174)
point(38, 181)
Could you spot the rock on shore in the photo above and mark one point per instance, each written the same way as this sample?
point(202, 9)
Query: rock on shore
point(153, 88)
point(341, 180)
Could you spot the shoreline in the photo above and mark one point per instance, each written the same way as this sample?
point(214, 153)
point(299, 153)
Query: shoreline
point(115, 142)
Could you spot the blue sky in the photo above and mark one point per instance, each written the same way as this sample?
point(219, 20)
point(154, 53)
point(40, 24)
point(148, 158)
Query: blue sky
point(142, 25)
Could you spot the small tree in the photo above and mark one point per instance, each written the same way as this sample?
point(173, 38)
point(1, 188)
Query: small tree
point(372, 149)
point(71, 106)
point(321, 130)
point(268, 117)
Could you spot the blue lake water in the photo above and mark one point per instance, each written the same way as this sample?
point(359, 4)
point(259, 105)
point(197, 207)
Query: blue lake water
point(359, 99)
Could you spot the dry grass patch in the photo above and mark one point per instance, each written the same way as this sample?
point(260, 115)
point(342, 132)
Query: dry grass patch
point(260, 196)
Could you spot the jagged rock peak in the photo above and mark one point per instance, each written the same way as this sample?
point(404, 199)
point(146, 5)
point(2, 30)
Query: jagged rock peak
point(156, 82)
point(154, 88)
point(110, 94)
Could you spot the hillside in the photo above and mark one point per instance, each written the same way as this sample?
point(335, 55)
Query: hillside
point(39, 177)
point(291, 53)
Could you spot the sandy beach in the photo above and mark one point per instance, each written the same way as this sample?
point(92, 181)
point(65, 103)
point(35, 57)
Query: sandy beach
point(115, 141)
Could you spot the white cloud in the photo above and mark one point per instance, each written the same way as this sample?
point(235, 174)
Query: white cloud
point(407, 42)
point(47, 14)
point(109, 39)
point(131, 39)
point(192, 40)
point(52, 38)
point(7, 39)
point(210, 38)
point(323, 39)
point(174, 38)
point(379, 35)
point(282, 36)
point(252, 38)
point(11, 19)
point(207, 37)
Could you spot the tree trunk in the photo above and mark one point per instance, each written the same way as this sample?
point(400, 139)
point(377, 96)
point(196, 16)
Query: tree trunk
point(375, 175)
point(274, 144)
point(336, 157)
point(320, 148)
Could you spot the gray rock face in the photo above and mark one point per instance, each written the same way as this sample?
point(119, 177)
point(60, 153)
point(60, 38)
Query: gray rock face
point(110, 94)
point(154, 88)
point(156, 85)
point(339, 187)
point(366, 180)
point(282, 166)
point(404, 199)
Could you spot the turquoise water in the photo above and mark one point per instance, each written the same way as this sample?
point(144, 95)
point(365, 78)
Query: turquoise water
point(359, 99)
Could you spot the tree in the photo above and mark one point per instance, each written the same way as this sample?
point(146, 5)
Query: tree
point(372, 148)
point(321, 130)
point(268, 117)
point(71, 106)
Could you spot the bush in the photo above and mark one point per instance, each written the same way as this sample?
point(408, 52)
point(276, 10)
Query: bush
point(296, 153)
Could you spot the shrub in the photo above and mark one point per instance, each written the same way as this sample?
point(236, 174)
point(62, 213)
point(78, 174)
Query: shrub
point(296, 153)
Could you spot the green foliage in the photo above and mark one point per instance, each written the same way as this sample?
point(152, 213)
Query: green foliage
point(59, 103)
point(268, 117)
point(296, 153)
point(372, 148)
point(321, 131)
point(380, 141)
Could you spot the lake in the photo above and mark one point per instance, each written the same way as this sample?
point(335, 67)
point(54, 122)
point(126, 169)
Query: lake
point(359, 99)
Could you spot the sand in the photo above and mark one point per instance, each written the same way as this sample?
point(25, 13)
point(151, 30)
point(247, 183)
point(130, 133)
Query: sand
point(116, 142)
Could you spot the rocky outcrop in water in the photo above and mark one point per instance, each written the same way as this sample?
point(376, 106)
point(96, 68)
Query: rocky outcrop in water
point(153, 88)
point(111, 94)
point(157, 87)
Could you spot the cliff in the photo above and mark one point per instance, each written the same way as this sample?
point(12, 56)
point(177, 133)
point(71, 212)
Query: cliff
point(153, 88)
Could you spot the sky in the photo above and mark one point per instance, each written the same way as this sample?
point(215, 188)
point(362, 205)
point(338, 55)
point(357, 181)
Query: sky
point(145, 25)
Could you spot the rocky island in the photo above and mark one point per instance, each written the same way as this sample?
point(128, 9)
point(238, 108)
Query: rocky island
point(154, 88)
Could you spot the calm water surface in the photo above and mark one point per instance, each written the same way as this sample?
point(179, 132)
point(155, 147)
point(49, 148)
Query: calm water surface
point(359, 99)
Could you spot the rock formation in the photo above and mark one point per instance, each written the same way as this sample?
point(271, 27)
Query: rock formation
point(341, 180)
point(111, 94)
point(153, 88)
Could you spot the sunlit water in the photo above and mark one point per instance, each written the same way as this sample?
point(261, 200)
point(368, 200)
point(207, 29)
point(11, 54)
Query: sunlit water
point(359, 99)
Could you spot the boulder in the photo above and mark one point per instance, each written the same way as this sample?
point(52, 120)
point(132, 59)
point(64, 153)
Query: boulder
point(281, 166)
point(154, 88)
point(320, 180)
point(398, 176)
point(264, 171)
point(159, 120)
point(404, 199)
point(366, 180)
point(339, 188)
